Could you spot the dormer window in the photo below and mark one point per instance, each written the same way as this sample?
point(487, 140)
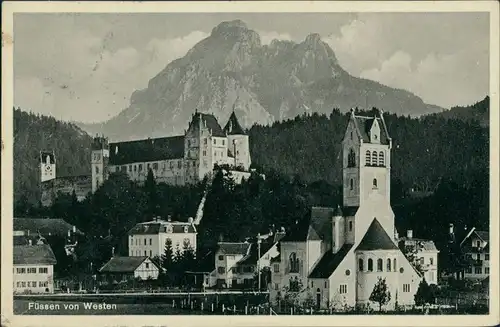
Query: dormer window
point(186, 229)
point(169, 229)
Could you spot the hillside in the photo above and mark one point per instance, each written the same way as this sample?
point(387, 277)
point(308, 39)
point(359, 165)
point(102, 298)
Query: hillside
point(479, 111)
point(34, 133)
point(264, 83)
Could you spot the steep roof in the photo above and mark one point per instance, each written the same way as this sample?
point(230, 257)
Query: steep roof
point(156, 227)
point(484, 235)
point(163, 148)
point(314, 226)
point(209, 121)
point(233, 126)
point(33, 255)
point(45, 226)
point(363, 125)
point(329, 262)
point(238, 248)
point(376, 239)
point(123, 264)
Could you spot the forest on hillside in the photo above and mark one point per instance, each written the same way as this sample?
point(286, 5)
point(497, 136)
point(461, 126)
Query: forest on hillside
point(34, 133)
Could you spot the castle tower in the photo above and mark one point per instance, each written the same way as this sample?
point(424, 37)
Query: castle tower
point(47, 166)
point(366, 151)
point(238, 142)
point(99, 161)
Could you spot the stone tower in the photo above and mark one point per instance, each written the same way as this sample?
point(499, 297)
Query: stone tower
point(99, 161)
point(238, 142)
point(47, 166)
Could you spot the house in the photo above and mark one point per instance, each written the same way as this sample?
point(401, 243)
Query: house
point(425, 255)
point(226, 257)
point(476, 247)
point(33, 268)
point(122, 269)
point(336, 255)
point(150, 238)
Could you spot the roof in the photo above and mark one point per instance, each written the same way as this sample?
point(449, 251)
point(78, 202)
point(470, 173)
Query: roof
point(427, 245)
point(314, 226)
point(376, 239)
point(209, 121)
point(350, 211)
point(44, 226)
point(123, 264)
point(156, 227)
point(363, 124)
point(329, 262)
point(239, 248)
point(253, 253)
point(33, 255)
point(276, 259)
point(484, 235)
point(45, 154)
point(25, 240)
point(233, 126)
point(163, 148)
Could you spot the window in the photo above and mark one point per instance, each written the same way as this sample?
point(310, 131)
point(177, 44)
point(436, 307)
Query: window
point(370, 264)
point(221, 270)
point(360, 264)
point(31, 270)
point(130, 168)
point(96, 169)
point(406, 288)
point(478, 244)
point(223, 142)
point(388, 264)
point(140, 167)
point(326, 284)
point(487, 270)
point(468, 270)
point(124, 169)
point(368, 158)
point(43, 284)
point(205, 141)
point(343, 289)
point(347, 272)
point(145, 241)
point(350, 226)
point(276, 286)
point(487, 256)
point(147, 265)
point(478, 270)
point(478, 256)
point(179, 164)
point(374, 158)
point(155, 166)
point(221, 257)
point(380, 263)
point(135, 167)
point(136, 241)
point(204, 153)
point(351, 184)
point(21, 270)
point(276, 268)
point(294, 263)
point(374, 183)
point(351, 135)
point(150, 253)
point(23, 284)
point(381, 158)
point(171, 165)
point(312, 284)
point(431, 261)
point(351, 159)
point(394, 264)
point(150, 241)
point(215, 153)
point(215, 141)
point(43, 270)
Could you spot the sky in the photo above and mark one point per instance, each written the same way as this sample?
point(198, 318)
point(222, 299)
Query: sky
point(84, 67)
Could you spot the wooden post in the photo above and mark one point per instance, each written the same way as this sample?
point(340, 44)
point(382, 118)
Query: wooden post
point(246, 310)
point(201, 306)
point(257, 310)
point(311, 311)
point(191, 305)
point(212, 307)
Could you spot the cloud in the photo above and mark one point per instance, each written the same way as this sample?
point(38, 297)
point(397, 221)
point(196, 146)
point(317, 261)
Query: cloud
point(79, 78)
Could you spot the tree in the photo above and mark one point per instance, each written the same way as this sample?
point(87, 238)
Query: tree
point(423, 295)
point(152, 195)
point(168, 255)
point(380, 293)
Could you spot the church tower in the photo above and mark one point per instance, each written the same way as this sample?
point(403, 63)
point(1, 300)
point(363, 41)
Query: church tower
point(238, 143)
point(47, 166)
point(99, 161)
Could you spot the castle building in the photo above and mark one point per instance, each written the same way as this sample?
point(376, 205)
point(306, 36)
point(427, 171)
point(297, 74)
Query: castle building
point(337, 255)
point(176, 160)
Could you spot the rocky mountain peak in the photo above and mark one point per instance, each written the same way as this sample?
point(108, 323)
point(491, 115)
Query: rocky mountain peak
point(313, 39)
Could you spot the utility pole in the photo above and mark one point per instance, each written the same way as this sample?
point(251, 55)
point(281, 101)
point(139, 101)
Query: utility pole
point(258, 258)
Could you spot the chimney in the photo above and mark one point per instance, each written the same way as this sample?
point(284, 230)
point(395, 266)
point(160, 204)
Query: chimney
point(409, 234)
point(451, 229)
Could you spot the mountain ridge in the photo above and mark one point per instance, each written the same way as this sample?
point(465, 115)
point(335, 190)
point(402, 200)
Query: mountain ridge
point(232, 70)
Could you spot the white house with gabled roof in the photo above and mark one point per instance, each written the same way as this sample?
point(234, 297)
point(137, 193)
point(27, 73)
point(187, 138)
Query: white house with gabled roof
point(336, 255)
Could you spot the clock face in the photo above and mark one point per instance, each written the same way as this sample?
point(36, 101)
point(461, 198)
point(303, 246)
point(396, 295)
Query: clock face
point(48, 168)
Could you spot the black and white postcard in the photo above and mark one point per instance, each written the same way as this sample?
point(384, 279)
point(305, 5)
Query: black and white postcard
point(248, 163)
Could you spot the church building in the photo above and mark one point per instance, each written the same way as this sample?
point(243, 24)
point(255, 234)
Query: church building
point(337, 255)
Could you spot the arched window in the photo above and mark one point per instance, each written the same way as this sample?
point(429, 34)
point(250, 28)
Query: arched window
point(388, 264)
point(394, 264)
point(370, 264)
point(294, 263)
point(351, 159)
point(381, 158)
point(380, 263)
point(374, 158)
point(368, 158)
point(360, 264)
point(375, 183)
point(351, 184)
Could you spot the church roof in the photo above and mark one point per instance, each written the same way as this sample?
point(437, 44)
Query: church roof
point(163, 148)
point(363, 125)
point(314, 226)
point(329, 262)
point(233, 126)
point(376, 239)
point(209, 121)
